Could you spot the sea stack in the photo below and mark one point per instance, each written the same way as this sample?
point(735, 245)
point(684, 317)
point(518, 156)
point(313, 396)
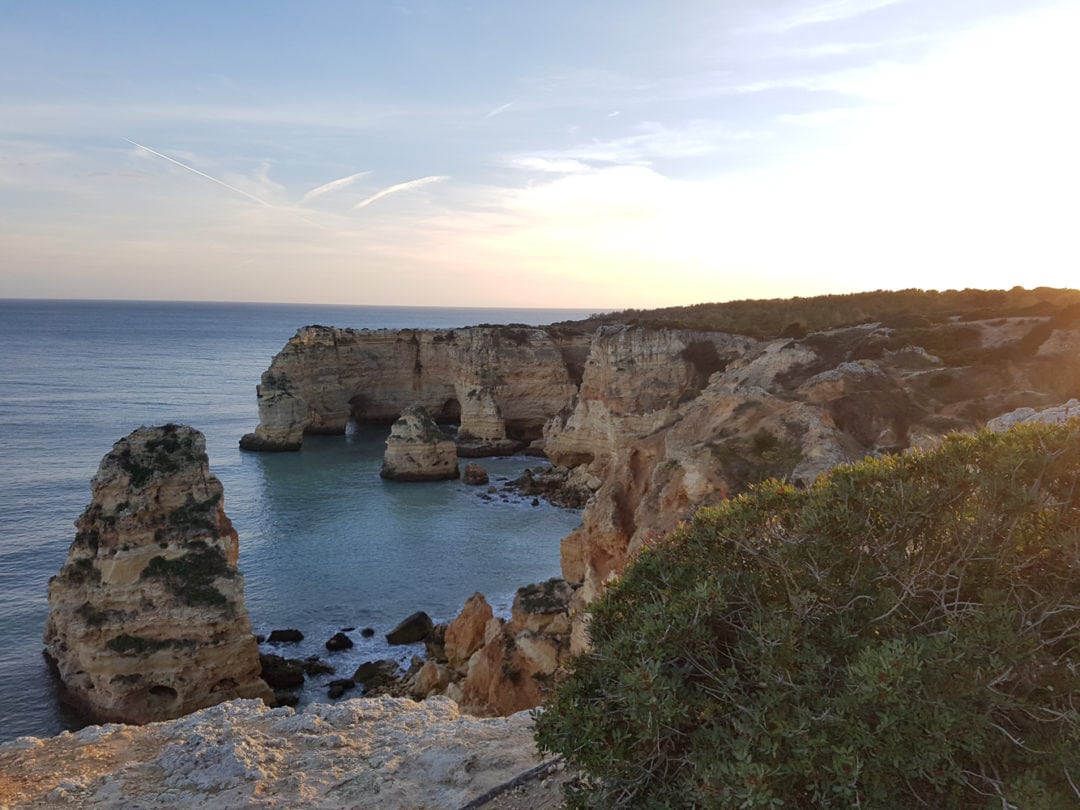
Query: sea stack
point(417, 450)
point(147, 618)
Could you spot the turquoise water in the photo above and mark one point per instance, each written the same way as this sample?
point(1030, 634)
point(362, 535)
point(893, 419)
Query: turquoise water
point(324, 542)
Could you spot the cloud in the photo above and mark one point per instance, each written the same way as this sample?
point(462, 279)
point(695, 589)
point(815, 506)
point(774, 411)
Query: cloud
point(544, 164)
point(394, 189)
point(333, 185)
point(193, 170)
point(651, 142)
point(500, 109)
point(826, 12)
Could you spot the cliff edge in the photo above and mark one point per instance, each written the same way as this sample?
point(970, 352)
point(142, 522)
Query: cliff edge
point(370, 752)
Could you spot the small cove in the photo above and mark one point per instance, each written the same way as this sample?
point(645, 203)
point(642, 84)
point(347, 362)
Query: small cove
point(324, 542)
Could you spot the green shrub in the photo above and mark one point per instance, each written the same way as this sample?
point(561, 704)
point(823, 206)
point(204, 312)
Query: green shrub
point(191, 577)
point(904, 633)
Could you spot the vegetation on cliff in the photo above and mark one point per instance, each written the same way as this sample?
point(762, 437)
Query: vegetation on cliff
point(904, 633)
point(902, 309)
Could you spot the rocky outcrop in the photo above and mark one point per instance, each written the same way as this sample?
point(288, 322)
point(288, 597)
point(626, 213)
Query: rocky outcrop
point(384, 752)
point(147, 618)
point(417, 450)
point(1057, 415)
point(665, 420)
point(663, 444)
point(501, 383)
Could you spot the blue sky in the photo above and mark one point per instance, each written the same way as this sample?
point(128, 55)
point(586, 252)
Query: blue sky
point(601, 154)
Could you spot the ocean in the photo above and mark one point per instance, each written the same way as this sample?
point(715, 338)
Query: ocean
point(324, 542)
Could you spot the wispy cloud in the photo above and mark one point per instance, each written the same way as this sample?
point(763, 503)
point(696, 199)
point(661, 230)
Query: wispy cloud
point(333, 185)
point(500, 109)
point(193, 170)
point(827, 12)
point(399, 187)
point(545, 164)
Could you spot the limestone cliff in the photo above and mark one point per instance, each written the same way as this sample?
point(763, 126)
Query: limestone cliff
point(664, 420)
point(500, 383)
point(147, 618)
point(784, 408)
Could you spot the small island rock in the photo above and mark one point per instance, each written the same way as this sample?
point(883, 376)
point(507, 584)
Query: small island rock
point(417, 450)
point(474, 474)
point(147, 618)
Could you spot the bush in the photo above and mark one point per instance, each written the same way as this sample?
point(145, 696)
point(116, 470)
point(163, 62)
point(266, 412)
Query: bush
point(904, 633)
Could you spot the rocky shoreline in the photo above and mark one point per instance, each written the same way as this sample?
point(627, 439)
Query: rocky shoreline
point(642, 425)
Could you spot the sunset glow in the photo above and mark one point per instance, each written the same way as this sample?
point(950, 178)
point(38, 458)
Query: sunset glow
point(555, 155)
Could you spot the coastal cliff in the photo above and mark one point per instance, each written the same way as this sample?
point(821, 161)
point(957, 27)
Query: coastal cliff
point(498, 383)
point(783, 408)
point(649, 419)
point(147, 618)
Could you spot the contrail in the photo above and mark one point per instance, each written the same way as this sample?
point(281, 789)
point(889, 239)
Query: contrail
point(333, 185)
point(378, 195)
point(500, 109)
point(201, 174)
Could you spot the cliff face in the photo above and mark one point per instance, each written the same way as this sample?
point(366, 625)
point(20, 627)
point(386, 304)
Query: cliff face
point(499, 382)
point(147, 618)
point(662, 421)
point(784, 408)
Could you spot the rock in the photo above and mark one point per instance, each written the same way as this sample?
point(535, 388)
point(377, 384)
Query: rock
point(435, 643)
point(502, 383)
point(376, 752)
point(513, 664)
point(376, 674)
point(1055, 415)
point(413, 629)
point(147, 618)
point(474, 474)
point(367, 632)
point(417, 450)
point(288, 636)
point(336, 689)
point(339, 641)
point(283, 698)
point(465, 634)
point(431, 679)
point(313, 666)
point(281, 673)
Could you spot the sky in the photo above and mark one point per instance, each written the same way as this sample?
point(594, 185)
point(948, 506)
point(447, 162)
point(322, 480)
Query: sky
point(602, 154)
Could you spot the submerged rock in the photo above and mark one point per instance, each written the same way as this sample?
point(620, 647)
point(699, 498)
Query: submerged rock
point(417, 450)
point(147, 618)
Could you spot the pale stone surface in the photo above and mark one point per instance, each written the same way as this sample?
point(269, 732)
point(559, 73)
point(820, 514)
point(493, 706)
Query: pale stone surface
point(417, 450)
point(1057, 415)
point(379, 752)
point(147, 618)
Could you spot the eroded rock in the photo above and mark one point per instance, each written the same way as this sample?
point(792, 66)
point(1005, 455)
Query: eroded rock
point(147, 618)
point(417, 450)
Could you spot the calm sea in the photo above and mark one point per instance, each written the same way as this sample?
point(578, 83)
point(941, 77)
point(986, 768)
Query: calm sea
point(324, 542)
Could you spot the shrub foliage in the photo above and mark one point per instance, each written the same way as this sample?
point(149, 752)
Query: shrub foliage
point(904, 633)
